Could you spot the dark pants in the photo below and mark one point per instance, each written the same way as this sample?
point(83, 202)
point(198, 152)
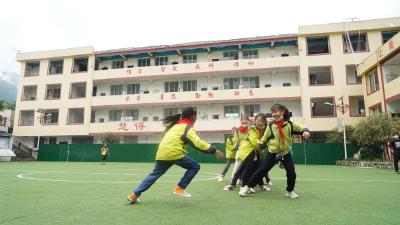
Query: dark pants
point(103, 158)
point(162, 166)
point(226, 168)
point(396, 158)
point(246, 169)
point(266, 166)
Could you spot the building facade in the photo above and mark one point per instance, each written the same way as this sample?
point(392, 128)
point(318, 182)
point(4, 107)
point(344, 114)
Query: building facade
point(78, 95)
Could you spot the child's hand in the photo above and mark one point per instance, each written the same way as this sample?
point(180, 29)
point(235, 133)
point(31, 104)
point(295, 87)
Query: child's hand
point(219, 154)
point(306, 135)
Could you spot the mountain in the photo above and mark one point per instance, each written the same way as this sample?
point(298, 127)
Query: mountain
point(8, 91)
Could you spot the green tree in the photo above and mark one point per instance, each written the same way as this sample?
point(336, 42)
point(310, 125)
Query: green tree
point(110, 138)
point(2, 105)
point(376, 129)
point(337, 137)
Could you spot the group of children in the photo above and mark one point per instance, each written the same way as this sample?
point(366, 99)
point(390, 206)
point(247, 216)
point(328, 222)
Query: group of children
point(255, 149)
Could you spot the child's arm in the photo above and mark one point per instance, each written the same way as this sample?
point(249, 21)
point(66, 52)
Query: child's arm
point(305, 132)
point(201, 145)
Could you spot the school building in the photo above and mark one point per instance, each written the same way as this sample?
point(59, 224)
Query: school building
point(78, 95)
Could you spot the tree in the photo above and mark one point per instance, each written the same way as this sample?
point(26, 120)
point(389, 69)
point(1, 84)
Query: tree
point(377, 129)
point(110, 138)
point(337, 137)
point(2, 105)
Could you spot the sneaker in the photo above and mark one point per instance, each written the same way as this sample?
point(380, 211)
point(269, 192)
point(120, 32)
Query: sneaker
point(265, 188)
point(244, 191)
point(220, 178)
point(133, 198)
point(291, 194)
point(238, 182)
point(178, 191)
point(270, 183)
point(251, 190)
point(229, 187)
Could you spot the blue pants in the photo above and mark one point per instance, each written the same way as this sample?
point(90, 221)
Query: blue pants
point(162, 166)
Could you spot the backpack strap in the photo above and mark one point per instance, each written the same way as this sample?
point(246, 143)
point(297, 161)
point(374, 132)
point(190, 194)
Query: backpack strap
point(184, 135)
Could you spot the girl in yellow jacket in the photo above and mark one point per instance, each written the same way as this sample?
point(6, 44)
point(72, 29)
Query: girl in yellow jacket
point(230, 150)
point(172, 151)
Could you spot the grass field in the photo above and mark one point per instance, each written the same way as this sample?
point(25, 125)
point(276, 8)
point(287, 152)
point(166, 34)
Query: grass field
point(88, 193)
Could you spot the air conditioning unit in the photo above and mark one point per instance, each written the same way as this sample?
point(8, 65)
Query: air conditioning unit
point(146, 92)
point(102, 94)
point(156, 118)
point(216, 117)
point(101, 120)
point(215, 88)
point(287, 84)
point(267, 85)
point(204, 89)
point(145, 118)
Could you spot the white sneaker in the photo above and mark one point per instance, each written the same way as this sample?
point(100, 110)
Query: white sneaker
point(238, 182)
point(220, 178)
point(265, 188)
point(270, 183)
point(251, 190)
point(229, 187)
point(291, 194)
point(244, 191)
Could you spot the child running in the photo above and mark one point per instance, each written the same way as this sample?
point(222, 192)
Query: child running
point(105, 151)
point(172, 151)
point(230, 150)
point(279, 139)
point(250, 154)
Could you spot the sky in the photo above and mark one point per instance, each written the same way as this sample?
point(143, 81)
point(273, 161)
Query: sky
point(56, 24)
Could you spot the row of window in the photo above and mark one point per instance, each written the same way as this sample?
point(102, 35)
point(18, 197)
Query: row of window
point(351, 43)
point(320, 107)
point(56, 67)
point(53, 92)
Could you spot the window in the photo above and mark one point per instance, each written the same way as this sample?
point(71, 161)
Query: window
point(78, 90)
point(231, 111)
point(251, 82)
point(357, 106)
point(114, 115)
point(231, 55)
point(231, 83)
point(376, 109)
point(250, 54)
point(170, 111)
point(372, 82)
point(80, 65)
point(93, 116)
point(358, 42)
point(161, 61)
point(50, 117)
point(131, 114)
point(29, 93)
point(32, 69)
point(171, 86)
point(251, 110)
point(53, 91)
point(190, 85)
point(320, 76)
point(117, 64)
point(189, 59)
point(56, 67)
point(323, 107)
point(352, 76)
point(318, 45)
point(116, 89)
point(132, 89)
point(26, 118)
point(144, 62)
point(387, 35)
point(52, 140)
point(76, 116)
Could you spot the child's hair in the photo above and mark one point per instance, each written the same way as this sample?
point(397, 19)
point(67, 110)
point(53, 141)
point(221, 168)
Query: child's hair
point(170, 121)
point(244, 117)
point(284, 109)
point(262, 115)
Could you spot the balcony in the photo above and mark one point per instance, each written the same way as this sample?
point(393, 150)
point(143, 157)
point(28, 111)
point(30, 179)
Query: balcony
point(198, 97)
point(194, 69)
point(152, 127)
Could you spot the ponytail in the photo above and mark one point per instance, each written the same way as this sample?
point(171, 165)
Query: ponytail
point(171, 120)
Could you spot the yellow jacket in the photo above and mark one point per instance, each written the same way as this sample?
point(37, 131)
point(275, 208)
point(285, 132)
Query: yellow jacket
point(173, 144)
point(275, 143)
point(249, 144)
point(230, 148)
point(104, 151)
point(238, 138)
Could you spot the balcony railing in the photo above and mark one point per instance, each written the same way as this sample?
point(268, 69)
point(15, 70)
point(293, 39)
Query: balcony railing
point(198, 97)
point(217, 67)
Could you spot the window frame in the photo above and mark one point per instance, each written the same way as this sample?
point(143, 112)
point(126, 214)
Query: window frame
point(324, 97)
point(314, 37)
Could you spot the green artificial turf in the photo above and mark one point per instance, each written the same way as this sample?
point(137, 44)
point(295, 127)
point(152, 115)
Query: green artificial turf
point(328, 195)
